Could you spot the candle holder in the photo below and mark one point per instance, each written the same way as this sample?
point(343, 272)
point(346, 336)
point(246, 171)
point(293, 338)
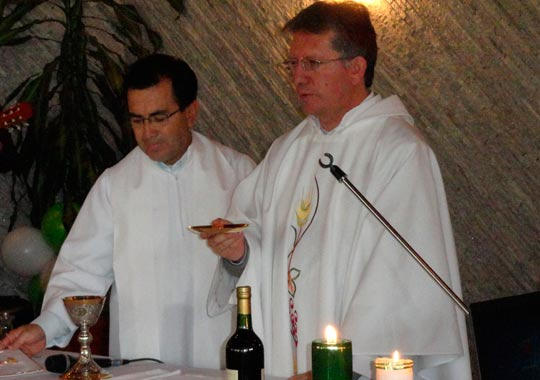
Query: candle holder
point(84, 311)
point(393, 369)
point(331, 361)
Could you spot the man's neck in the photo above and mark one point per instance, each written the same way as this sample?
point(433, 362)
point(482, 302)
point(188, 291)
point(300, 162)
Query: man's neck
point(172, 167)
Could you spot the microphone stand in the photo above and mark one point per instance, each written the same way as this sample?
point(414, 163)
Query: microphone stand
point(342, 177)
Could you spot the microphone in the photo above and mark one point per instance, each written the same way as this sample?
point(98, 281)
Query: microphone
point(61, 363)
point(342, 178)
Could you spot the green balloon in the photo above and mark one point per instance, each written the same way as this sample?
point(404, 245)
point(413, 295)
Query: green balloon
point(52, 226)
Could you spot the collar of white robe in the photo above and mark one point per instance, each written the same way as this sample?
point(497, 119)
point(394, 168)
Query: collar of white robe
point(342, 177)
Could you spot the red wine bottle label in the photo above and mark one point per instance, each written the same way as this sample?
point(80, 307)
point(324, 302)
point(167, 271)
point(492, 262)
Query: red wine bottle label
point(232, 374)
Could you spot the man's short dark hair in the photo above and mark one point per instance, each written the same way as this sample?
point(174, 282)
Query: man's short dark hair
point(150, 70)
point(351, 23)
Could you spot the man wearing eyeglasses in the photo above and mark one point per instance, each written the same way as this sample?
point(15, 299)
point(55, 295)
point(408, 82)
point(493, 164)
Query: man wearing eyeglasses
point(131, 232)
point(316, 255)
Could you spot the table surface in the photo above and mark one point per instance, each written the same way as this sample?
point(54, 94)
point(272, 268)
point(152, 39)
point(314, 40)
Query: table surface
point(134, 371)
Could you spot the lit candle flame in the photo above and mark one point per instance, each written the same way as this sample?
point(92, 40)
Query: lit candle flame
point(395, 356)
point(330, 334)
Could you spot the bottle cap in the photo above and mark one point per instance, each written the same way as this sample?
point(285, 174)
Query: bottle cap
point(243, 292)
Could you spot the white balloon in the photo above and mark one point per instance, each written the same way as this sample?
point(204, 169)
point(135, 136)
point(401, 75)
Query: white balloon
point(25, 251)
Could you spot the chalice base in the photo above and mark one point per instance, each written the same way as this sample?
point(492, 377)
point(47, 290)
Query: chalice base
point(85, 370)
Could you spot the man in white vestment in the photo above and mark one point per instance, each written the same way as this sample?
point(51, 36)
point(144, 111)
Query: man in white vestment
point(132, 232)
point(313, 254)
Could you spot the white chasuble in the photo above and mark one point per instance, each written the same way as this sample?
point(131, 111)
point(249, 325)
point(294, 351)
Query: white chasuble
point(318, 257)
point(132, 232)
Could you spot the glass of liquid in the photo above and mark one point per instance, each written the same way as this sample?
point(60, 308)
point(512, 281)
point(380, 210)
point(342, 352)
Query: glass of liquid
point(6, 324)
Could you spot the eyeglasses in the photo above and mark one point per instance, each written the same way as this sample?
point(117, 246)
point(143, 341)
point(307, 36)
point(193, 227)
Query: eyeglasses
point(309, 64)
point(156, 119)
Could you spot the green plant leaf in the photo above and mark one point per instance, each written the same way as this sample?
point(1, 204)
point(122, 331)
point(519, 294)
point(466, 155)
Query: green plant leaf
point(10, 35)
point(72, 137)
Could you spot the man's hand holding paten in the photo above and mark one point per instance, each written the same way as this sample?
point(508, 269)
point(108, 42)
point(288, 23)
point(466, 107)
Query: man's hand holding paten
point(230, 246)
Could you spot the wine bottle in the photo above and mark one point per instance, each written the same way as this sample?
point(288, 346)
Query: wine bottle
point(244, 353)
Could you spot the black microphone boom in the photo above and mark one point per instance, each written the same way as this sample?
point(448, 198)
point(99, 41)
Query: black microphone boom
point(342, 177)
point(60, 363)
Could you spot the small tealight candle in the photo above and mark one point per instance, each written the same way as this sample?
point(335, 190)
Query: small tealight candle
point(331, 358)
point(393, 368)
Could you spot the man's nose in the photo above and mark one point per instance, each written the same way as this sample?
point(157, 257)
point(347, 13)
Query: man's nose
point(298, 74)
point(149, 129)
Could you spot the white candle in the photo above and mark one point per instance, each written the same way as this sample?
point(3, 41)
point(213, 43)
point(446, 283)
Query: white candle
point(393, 368)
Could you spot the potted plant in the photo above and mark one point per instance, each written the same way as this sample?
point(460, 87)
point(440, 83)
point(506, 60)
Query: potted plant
point(77, 128)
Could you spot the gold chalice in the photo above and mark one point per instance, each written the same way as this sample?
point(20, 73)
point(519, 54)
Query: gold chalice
point(84, 311)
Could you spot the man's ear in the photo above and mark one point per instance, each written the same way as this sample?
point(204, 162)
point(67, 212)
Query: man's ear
point(357, 68)
point(191, 113)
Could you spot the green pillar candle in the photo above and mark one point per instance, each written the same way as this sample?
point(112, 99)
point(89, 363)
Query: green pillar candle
point(331, 360)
